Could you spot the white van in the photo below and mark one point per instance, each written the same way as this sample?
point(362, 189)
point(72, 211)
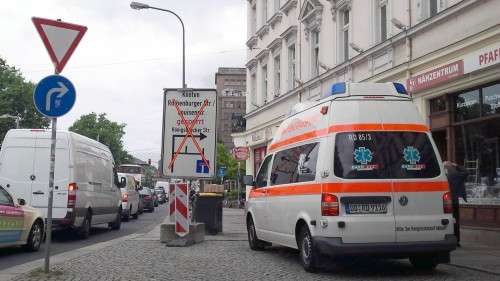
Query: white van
point(355, 173)
point(85, 190)
point(130, 196)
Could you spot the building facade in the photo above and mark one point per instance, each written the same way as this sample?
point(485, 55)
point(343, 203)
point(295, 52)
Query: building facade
point(447, 52)
point(231, 103)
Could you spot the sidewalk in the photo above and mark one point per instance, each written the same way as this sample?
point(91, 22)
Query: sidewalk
point(227, 257)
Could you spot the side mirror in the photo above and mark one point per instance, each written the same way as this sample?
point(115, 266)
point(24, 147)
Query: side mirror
point(21, 201)
point(123, 182)
point(248, 180)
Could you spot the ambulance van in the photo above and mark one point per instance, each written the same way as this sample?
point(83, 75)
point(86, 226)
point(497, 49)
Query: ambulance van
point(354, 174)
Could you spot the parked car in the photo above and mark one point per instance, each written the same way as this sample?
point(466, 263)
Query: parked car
point(155, 197)
point(86, 188)
point(130, 197)
point(19, 224)
point(355, 174)
point(162, 197)
point(147, 199)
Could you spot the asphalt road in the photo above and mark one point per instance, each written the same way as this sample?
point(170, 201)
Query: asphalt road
point(63, 241)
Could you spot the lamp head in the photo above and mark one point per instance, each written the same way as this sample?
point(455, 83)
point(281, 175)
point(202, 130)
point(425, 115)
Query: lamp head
point(138, 6)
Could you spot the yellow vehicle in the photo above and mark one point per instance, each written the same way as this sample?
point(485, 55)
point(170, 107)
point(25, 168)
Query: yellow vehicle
point(19, 224)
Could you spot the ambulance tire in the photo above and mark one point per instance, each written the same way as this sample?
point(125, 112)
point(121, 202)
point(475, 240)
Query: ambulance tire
point(253, 241)
point(427, 263)
point(309, 257)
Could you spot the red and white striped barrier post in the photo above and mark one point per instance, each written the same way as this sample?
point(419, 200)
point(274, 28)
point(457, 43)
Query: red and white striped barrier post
point(181, 209)
point(171, 202)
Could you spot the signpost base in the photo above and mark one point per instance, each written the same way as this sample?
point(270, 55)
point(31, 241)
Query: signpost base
point(196, 235)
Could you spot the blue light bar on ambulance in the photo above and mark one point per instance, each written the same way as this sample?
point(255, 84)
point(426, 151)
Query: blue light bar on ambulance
point(400, 88)
point(337, 88)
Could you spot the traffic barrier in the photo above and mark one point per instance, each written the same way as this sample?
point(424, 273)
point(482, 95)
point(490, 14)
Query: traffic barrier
point(181, 209)
point(171, 202)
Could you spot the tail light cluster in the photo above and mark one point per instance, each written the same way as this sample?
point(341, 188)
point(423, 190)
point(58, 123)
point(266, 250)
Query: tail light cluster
point(125, 197)
point(147, 197)
point(329, 205)
point(447, 203)
point(72, 188)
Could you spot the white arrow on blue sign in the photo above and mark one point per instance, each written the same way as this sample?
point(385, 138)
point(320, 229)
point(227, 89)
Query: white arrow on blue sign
point(54, 96)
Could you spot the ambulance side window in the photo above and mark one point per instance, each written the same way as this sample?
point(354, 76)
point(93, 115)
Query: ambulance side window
point(261, 179)
point(294, 165)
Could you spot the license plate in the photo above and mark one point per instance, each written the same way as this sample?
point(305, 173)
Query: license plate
point(378, 208)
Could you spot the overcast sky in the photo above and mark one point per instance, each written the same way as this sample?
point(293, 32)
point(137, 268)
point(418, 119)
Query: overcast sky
point(127, 56)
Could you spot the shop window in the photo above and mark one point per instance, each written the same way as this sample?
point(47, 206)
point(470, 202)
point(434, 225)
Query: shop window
point(491, 100)
point(294, 165)
point(438, 104)
point(477, 147)
point(467, 106)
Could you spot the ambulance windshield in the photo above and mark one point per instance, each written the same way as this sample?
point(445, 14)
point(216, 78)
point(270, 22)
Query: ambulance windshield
point(384, 155)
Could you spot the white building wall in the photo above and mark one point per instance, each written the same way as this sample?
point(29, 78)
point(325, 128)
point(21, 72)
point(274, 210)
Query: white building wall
point(426, 42)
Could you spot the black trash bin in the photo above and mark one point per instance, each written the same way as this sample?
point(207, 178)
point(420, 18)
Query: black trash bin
point(208, 210)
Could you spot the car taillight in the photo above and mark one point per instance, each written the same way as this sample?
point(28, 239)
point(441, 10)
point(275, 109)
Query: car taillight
point(447, 204)
point(124, 197)
point(329, 205)
point(147, 197)
point(72, 188)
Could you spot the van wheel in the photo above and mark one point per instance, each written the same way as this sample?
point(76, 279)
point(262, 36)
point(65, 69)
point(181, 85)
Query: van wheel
point(84, 231)
point(309, 258)
point(427, 263)
point(116, 225)
point(253, 241)
point(35, 237)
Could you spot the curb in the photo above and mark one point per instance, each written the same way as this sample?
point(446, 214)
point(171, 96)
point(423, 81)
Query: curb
point(8, 274)
point(473, 268)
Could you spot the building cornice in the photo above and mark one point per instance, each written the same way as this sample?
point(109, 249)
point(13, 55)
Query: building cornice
point(275, 44)
point(288, 6)
point(251, 64)
point(263, 30)
point(275, 19)
point(252, 41)
point(292, 30)
point(262, 55)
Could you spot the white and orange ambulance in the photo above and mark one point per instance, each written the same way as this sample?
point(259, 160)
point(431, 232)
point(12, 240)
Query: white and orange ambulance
point(355, 173)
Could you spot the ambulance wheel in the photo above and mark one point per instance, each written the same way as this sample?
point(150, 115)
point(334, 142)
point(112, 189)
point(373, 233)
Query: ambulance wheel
point(35, 237)
point(309, 258)
point(116, 225)
point(253, 241)
point(424, 262)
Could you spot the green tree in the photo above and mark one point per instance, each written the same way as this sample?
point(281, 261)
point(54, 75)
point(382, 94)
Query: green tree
point(100, 128)
point(16, 99)
point(225, 159)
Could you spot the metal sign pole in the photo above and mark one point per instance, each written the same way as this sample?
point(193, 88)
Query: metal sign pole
point(48, 229)
point(238, 183)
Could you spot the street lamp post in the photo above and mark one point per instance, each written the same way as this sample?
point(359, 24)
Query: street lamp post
point(140, 6)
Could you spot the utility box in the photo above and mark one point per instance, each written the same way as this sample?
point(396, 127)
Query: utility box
point(208, 210)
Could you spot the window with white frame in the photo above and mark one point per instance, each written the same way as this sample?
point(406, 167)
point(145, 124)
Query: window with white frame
point(264, 84)
point(291, 67)
point(264, 12)
point(276, 5)
point(277, 75)
point(254, 19)
point(382, 20)
point(314, 53)
point(433, 7)
point(253, 89)
point(429, 8)
point(344, 35)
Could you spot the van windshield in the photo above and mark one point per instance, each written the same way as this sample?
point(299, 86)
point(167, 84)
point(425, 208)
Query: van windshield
point(384, 155)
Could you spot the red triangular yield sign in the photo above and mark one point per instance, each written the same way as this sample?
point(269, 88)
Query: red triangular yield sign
point(60, 39)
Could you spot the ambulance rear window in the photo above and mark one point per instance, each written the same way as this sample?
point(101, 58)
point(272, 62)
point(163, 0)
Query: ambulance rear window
point(384, 155)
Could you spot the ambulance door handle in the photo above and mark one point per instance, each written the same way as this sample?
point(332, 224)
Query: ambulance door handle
point(39, 192)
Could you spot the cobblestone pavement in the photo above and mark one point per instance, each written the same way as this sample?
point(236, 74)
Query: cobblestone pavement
point(228, 257)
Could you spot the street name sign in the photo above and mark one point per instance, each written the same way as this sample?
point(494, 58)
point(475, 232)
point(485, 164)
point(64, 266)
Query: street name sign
point(60, 39)
point(54, 96)
point(189, 140)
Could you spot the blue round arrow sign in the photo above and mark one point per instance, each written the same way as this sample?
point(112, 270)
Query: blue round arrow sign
point(54, 96)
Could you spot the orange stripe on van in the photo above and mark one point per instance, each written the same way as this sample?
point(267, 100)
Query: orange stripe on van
point(356, 187)
point(349, 128)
